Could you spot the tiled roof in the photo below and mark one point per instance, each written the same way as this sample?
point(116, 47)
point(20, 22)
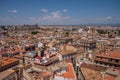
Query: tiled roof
point(90, 74)
point(8, 62)
point(45, 74)
point(112, 54)
point(67, 52)
point(70, 72)
point(38, 57)
point(6, 73)
point(109, 77)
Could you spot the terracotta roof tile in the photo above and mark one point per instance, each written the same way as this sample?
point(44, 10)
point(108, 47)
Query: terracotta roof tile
point(109, 78)
point(113, 54)
point(45, 74)
point(70, 73)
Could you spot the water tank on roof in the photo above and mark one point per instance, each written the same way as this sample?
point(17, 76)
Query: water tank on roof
point(80, 30)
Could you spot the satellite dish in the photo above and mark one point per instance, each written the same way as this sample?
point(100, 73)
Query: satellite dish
point(40, 44)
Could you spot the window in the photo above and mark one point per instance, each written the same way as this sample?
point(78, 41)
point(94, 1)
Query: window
point(115, 32)
point(116, 61)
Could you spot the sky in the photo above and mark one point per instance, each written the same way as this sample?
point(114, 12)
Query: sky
point(59, 12)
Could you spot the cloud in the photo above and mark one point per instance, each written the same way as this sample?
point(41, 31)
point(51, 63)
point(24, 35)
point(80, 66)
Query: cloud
point(44, 10)
point(47, 17)
point(67, 17)
point(54, 16)
point(32, 18)
point(109, 17)
point(12, 11)
point(65, 10)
